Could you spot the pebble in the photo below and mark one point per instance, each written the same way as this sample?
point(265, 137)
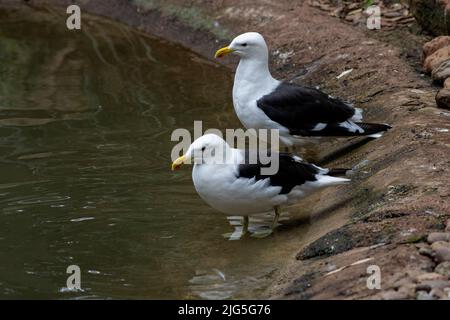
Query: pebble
point(431, 284)
point(426, 252)
point(438, 293)
point(447, 85)
point(423, 295)
point(443, 268)
point(442, 251)
point(447, 292)
point(447, 228)
point(437, 284)
point(438, 236)
point(408, 289)
point(443, 98)
point(430, 276)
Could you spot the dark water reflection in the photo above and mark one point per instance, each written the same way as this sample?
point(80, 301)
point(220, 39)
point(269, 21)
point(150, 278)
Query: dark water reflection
point(85, 124)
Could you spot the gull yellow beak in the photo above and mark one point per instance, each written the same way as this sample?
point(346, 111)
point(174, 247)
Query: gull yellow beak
point(223, 52)
point(178, 162)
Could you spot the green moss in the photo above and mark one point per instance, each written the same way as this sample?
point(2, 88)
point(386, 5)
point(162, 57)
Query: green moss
point(191, 16)
point(334, 242)
point(368, 3)
point(365, 202)
point(415, 238)
point(388, 229)
point(431, 15)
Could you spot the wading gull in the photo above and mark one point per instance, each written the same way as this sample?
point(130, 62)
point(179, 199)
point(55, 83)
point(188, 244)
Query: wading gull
point(302, 114)
point(230, 182)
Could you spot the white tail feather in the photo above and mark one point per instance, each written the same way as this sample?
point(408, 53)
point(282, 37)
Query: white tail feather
point(325, 181)
point(376, 135)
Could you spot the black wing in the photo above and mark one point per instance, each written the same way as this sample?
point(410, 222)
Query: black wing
point(300, 108)
point(291, 172)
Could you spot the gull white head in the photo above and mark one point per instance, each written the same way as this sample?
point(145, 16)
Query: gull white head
point(209, 149)
point(250, 45)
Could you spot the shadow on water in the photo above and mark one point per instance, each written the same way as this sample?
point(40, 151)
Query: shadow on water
point(302, 220)
point(85, 124)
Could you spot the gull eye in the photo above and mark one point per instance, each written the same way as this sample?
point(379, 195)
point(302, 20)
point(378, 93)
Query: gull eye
point(203, 149)
point(244, 44)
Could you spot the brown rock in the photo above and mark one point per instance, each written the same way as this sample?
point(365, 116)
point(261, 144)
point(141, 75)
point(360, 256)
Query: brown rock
point(426, 252)
point(408, 290)
point(443, 98)
point(447, 85)
point(438, 293)
point(431, 281)
point(447, 291)
point(437, 284)
point(438, 236)
point(436, 58)
point(437, 43)
point(439, 244)
point(430, 276)
point(442, 72)
point(447, 224)
point(393, 295)
point(442, 251)
point(443, 268)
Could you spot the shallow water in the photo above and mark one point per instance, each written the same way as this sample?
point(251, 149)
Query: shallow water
point(85, 124)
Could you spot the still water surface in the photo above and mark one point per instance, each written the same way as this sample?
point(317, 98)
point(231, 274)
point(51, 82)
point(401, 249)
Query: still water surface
point(85, 124)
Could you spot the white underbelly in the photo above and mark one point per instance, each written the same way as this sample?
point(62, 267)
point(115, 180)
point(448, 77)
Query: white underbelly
point(235, 196)
point(253, 117)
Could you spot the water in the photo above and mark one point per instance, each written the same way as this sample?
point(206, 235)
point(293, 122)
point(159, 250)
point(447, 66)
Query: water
point(85, 124)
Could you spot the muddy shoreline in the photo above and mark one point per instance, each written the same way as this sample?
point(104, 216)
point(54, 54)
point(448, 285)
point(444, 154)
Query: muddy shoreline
point(400, 193)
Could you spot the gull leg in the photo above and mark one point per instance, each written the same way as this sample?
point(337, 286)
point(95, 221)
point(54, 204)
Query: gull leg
point(245, 225)
point(237, 234)
point(268, 231)
point(277, 216)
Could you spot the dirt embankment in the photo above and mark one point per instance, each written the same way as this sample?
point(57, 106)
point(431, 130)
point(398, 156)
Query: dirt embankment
point(400, 192)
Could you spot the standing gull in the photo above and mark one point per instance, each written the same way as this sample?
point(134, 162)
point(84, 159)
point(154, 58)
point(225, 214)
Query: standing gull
point(226, 180)
point(300, 113)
